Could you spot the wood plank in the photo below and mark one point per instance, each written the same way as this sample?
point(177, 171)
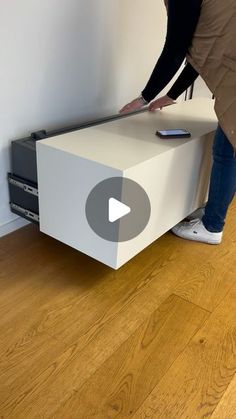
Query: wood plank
point(3, 255)
point(226, 408)
point(198, 379)
point(127, 377)
point(28, 353)
point(216, 273)
point(207, 285)
point(21, 240)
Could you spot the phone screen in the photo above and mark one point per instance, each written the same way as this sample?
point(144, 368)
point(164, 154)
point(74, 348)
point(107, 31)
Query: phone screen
point(173, 132)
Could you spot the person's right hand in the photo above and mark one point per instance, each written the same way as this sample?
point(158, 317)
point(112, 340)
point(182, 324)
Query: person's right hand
point(161, 103)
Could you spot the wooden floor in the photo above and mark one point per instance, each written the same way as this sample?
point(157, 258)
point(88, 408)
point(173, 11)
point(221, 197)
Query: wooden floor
point(155, 339)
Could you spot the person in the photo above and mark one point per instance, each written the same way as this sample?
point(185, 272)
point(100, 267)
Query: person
point(203, 32)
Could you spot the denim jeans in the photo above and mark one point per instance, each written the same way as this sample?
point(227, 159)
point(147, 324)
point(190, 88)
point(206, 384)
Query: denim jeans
point(222, 183)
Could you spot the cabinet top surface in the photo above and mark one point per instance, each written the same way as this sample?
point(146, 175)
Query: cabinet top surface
point(125, 142)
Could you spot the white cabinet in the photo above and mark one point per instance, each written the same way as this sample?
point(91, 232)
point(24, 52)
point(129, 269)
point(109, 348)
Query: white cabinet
point(173, 173)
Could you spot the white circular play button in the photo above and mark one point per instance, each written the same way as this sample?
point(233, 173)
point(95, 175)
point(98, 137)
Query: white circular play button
point(118, 209)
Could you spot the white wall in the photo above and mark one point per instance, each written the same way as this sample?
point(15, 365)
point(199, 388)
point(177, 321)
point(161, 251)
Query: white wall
point(66, 61)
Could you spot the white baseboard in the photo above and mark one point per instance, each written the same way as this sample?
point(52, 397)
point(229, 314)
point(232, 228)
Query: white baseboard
point(12, 225)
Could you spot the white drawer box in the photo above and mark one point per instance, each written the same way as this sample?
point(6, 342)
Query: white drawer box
point(174, 174)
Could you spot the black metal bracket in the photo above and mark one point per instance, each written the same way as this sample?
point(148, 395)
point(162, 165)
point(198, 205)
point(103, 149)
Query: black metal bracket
point(38, 135)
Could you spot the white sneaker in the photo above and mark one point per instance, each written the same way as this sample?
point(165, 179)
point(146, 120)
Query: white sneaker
point(196, 231)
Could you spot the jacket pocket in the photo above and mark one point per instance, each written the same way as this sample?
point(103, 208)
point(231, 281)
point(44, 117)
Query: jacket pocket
point(229, 62)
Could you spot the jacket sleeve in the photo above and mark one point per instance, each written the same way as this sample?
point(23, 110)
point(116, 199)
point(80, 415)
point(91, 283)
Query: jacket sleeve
point(185, 79)
point(183, 16)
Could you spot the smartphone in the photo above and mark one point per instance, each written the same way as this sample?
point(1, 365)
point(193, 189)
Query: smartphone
point(173, 133)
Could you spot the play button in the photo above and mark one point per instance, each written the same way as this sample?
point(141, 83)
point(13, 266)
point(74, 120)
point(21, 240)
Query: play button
point(118, 209)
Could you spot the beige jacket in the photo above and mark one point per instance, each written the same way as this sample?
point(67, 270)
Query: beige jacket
point(213, 55)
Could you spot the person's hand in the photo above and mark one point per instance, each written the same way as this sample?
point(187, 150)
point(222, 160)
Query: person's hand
point(161, 103)
point(135, 105)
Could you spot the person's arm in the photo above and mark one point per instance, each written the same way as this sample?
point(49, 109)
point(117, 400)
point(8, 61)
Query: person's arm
point(183, 17)
point(185, 79)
